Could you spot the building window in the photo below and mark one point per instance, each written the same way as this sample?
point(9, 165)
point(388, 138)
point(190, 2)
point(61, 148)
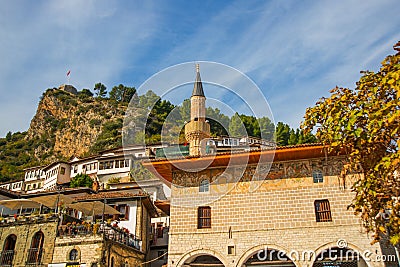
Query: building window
point(62, 171)
point(109, 165)
point(317, 176)
point(204, 186)
point(36, 250)
point(322, 210)
point(73, 255)
point(160, 230)
point(204, 217)
point(124, 210)
point(8, 250)
point(112, 262)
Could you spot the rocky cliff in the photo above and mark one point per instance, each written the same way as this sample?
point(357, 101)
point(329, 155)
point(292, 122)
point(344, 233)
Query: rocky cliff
point(71, 124)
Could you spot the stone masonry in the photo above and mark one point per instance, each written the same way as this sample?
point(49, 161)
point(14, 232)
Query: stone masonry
point(24, 233)
point(274, 213)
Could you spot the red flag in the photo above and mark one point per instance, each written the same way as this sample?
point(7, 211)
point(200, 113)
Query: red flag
point(68, 73)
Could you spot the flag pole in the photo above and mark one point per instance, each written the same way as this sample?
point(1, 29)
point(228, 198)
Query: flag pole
point(68, 75)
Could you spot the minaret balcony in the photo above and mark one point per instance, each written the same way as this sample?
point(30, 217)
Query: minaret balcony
point(197, 127)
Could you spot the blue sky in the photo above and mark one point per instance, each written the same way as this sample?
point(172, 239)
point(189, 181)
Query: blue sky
point(295, 51)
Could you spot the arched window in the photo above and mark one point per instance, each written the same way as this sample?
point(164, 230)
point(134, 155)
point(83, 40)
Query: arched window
point(204, 186)
point(73, 255)
point(112, 262)
point(36, 250)
point(7, 255)
point(317, 176)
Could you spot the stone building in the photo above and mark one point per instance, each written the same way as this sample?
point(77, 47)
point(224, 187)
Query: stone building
point(283, 207)
point(113, 231)
point(27, 243)
point(68, 88)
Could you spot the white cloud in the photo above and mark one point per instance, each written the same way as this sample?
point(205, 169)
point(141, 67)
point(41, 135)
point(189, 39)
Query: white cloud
point(295, 51)
point(94, 39)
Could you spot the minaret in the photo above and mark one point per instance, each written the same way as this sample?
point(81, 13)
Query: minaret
point(198, 128)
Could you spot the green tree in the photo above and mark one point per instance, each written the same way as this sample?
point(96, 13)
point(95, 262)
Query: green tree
point(293, 137)
point(184, 110)
point(306, 138)
point(85, 92)
point(251, 125)
point(148, 100)
point(267, 128)
point(219, 123)
point(122, 93)
point(101, 90)
point(8, 136)
point(81, 180)
point(236, 126)
point(366, 121)
point(282, 134)
point(157, 117)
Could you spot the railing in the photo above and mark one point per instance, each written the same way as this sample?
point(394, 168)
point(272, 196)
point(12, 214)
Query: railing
point(34, 256)
point(74, 230)
point(28, 219)
point(110, 233)
point(121, 237)
point(6, 257)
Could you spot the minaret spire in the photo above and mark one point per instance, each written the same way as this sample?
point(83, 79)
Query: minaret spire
point(198, 128)
point(198, 85)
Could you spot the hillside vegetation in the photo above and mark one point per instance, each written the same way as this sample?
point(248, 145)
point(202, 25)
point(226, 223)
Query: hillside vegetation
point(67, 125)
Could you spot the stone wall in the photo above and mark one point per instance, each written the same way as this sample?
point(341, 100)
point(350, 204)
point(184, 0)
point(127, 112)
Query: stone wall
point(89, 249)
point(124, 256)
point(24, 233)
point(276, 212)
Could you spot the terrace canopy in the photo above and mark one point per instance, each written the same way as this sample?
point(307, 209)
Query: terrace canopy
point(52, 201)
point(94, 208)
point(15, 204)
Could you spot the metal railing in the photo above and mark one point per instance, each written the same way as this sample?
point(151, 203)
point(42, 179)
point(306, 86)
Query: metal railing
point(6, 257)
point(34, 256)
point(110, 233)
point(117, 235)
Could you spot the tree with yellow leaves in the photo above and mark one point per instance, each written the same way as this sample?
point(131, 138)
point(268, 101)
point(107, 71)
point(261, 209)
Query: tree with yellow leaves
point(366, 121)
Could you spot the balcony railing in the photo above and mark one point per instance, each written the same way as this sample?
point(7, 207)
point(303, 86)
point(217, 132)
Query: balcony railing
point(6, 257)
point(122, 237)
point(110, 233)
point(34, 256)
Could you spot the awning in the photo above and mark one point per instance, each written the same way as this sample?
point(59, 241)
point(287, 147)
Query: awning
point(94, 208)
point(51, 201)
point(15, 204)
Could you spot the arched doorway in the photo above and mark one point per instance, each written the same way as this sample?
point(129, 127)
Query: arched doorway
point(36, 250)
point(7, 255)
point(339, 257)
point(203, 261)
point(269, 258)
